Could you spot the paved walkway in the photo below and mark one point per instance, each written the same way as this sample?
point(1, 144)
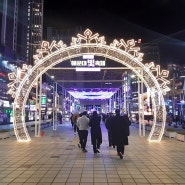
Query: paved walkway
point(55, 159)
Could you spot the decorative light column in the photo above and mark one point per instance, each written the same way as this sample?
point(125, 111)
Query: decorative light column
point(125, 92)
point(141, 106)
point(38, 106)
point(55, 105)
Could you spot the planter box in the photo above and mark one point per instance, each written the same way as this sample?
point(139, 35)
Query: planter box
point(170, 134)
point(180, 137)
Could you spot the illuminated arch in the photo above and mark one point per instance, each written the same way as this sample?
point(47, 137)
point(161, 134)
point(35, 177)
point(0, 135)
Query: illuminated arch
point(120, 51)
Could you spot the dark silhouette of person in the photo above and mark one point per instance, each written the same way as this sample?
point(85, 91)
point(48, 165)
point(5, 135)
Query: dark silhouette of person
point(96, 133)
point(74, 120)
point(60, 117)
point(120, 132)
point(107, 125)
point(72, 124)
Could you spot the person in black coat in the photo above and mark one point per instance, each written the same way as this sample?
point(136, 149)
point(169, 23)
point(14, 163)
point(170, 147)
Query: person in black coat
point(120, 131)
point(96, 133)
point(107, 125)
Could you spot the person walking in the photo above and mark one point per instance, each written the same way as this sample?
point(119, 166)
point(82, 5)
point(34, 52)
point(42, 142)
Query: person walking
point(107, 125)
point(120, 132)
point(83, 125)
point(96, 133)
point(72, 124)
point(74, 120)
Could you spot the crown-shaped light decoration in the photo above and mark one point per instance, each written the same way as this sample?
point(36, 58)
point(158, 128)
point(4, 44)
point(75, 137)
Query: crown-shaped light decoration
point(161, 76)
point(47, 49)
point(16, 77)
point(88, 38)
point(129, 47)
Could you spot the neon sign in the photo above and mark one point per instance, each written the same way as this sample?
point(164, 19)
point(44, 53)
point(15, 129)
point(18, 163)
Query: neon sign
point(88, 61)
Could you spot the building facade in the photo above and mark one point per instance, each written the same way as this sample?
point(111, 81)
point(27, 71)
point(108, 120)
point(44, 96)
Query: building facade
point(21, 25)
point(34, 28)
point(21, 29)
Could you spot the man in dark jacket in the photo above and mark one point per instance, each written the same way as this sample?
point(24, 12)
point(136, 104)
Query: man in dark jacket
point(96, 133)
point(120, 132)
point(107, 125)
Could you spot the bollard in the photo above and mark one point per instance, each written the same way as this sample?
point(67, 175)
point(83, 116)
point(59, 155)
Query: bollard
point(42, 134)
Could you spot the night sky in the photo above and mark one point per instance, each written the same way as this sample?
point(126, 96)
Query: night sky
point(151, 20)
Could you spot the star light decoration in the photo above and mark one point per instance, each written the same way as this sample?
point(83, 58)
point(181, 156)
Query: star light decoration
point(128, 47)
point(161, 76)
point(47, 48)
point(87, 38)
point(16, 78)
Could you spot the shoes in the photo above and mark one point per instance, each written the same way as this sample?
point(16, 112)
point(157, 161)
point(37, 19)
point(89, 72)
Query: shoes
point(120, 155)
point(84, 150)
point(113, 146)
point(97, 151)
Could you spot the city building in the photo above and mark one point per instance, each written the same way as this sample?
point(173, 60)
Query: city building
point(21, 29)
point(34, 28)
point(62, 34)
point(175, 99)
point(21, 23)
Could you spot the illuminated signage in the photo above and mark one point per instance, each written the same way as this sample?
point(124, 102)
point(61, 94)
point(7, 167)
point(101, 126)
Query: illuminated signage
point(6, 104)
point(43, 100)
point(88, 61)
point(101, 94)
point(88, 69)
point(7, 65)
point(2, 74)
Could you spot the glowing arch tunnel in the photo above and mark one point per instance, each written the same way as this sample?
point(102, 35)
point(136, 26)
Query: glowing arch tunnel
point(123, 52)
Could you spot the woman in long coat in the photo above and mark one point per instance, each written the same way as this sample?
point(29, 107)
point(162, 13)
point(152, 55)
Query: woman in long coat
point(120, 132)
point(96, 133)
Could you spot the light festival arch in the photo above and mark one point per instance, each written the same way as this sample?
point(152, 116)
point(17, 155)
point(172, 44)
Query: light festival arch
point(123, 52)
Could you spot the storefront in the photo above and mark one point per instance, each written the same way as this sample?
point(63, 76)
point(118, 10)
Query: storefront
point(6, 113)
